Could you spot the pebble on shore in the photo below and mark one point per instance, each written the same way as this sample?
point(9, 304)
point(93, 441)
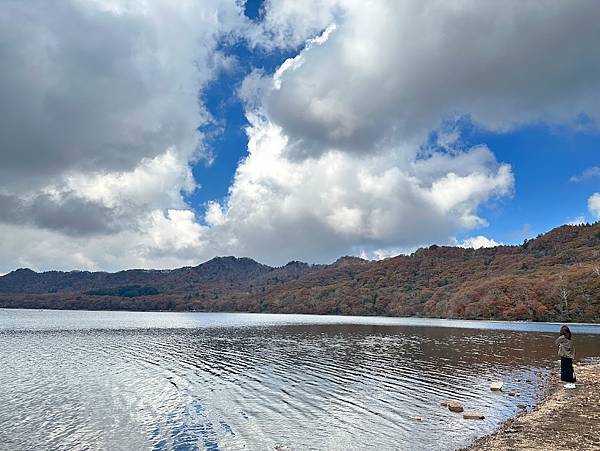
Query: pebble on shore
point(543, 427)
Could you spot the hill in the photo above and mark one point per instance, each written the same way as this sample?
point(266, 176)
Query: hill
point(553, 277)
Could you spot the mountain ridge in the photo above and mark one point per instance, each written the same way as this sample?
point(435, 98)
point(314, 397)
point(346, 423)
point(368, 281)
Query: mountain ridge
point(555, 276)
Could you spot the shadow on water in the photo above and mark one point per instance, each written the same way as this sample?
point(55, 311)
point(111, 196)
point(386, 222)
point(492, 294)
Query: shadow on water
point(241, 383)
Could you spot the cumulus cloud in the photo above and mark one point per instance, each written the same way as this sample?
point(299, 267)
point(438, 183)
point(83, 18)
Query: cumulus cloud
point(92, 85)
point(337, 159)
point(479, 241)
point(397, 70)
point(594, 205)
point(68, 213)
point(156, 182)
point(100, 115)
point(165, 240)
point(288, 24)
point(318, 209)
point(101, 107)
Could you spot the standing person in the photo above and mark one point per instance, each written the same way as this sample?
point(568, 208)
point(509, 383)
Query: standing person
point(566, 351)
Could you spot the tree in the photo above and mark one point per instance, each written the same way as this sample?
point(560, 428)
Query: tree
point(564, 297)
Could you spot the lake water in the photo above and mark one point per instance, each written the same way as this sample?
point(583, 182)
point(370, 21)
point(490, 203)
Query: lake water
point(120, 380)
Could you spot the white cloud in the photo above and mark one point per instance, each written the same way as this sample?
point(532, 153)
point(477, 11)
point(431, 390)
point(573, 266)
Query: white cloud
point(101, 98)
point(587, 174)
point(320, 208)
point(397, 70)
point(594, 205)
point(101, 101)
point(381, 254)
point(155, 181)
point(101, 107)
point(175, 231)
point(164, 241)
point(95, 86)
point(336, 158)
point(479, 241)
point(289, 23)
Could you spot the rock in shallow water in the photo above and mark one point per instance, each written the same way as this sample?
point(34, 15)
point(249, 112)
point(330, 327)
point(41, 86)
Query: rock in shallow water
point(473, 416)
point(455, 406)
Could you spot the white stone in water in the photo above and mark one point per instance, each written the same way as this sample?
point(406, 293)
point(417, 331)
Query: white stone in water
point(496, 386)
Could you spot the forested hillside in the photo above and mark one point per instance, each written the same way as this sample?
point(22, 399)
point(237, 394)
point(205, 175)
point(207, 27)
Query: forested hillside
point(553, 277)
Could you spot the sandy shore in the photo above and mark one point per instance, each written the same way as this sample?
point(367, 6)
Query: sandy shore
point(565, 420)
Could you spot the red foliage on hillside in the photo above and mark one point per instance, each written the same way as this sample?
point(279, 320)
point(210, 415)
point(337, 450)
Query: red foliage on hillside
point(553, 277)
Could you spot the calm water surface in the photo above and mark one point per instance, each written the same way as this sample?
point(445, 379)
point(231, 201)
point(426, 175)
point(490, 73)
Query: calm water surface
point(185, 381)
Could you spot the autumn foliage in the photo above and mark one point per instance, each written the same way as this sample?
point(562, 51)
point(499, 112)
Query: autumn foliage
point(553, 277)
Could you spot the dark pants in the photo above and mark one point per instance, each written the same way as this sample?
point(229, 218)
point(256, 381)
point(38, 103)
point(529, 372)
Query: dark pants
point(566, 370)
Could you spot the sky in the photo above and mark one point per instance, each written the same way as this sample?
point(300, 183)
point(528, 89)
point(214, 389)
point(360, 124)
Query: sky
point(158, 134)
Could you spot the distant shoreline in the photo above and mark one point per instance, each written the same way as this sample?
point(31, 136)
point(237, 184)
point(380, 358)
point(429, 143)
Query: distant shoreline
point(523, 321)
point(383, 320)
point(565, 419)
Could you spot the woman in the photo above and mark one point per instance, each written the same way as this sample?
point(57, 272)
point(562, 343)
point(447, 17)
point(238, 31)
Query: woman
point(566, 351)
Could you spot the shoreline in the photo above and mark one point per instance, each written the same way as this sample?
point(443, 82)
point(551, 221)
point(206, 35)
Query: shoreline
point(564, 419)
point(368, 317)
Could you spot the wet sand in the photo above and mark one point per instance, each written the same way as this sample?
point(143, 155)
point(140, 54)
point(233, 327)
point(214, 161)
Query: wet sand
point(565, 420)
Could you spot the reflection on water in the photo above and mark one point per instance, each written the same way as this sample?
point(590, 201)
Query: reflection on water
point(106, 380)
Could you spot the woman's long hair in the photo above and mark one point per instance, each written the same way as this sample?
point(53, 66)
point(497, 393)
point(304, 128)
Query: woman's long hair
point(564, 330)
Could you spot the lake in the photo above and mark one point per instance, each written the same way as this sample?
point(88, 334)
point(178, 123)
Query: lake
point(159, 381)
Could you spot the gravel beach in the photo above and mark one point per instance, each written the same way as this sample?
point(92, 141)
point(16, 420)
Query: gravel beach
point(568, 419)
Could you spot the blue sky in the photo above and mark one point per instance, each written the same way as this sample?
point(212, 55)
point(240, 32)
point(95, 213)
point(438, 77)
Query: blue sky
point(543, 161)
point(281, 130)
point(226, 137)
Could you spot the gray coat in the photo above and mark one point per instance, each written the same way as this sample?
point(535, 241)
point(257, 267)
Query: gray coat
point(565, 347)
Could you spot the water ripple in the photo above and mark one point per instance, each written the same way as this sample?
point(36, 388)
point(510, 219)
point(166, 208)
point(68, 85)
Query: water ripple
point(228, 386)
